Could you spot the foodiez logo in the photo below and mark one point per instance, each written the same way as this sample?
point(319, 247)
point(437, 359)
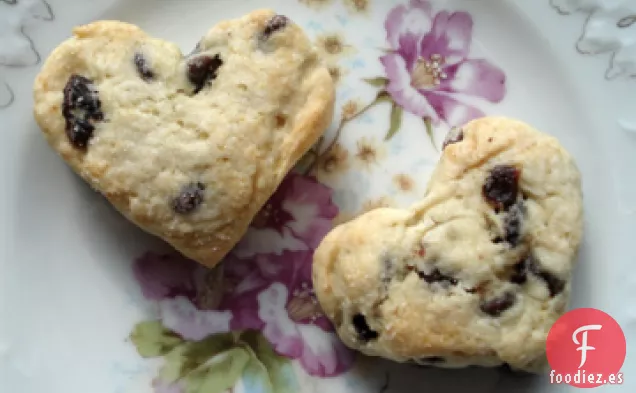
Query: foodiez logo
point(599, 342)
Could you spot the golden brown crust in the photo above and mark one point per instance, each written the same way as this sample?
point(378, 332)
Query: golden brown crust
point(422, 278)
point(238, 138)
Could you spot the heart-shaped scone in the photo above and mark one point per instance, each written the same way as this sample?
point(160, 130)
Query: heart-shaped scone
point(474, 274)
point(188, 148)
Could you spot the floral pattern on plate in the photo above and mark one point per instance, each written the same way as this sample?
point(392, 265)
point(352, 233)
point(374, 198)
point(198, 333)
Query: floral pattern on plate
point(18, 49)
point(263, 301)
point(428, 68)
point(609, 28)
point(249, 320)
point(428, 73)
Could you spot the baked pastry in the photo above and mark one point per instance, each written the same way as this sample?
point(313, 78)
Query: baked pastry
point(474, 274)
point(188, 148)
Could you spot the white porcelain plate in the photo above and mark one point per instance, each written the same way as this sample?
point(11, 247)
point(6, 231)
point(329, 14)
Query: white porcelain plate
point(77, 279)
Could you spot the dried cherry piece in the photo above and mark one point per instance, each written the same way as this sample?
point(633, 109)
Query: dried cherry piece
point(278, 22)
point(80, 104)
point(496, 306)
point(436, 276)
point(190, 197)
point(79, 93)
point(365, 333)
point(144, 70)
point(502, 186)
point(520, 270)
point(555, 284)
point(202, 69)
point(79, 132)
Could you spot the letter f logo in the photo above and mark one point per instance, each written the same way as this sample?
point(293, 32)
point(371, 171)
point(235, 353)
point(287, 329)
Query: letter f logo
point(583, 344)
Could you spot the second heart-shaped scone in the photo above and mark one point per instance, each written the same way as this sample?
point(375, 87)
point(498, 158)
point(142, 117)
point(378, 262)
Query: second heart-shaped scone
point(188, 148)
point(474, 274)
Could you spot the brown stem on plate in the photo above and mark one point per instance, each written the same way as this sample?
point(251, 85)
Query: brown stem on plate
point(381, 97)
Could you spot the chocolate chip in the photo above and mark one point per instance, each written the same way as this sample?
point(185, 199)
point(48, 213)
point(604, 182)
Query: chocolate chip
point(276, 23)
point(432, 359)
point(142, 67)
point(512, 224)
point(80, 105)
point(454, 135)
point(202, 69)
point(436, 276)
point(496, 306)
point(189, 199)
point(362, 328)
point(502, 186)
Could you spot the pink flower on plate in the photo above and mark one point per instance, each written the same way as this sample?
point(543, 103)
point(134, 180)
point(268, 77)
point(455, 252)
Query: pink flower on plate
point(429, 71)
point(292, 319)
point(295, 218)
point(263, 284)
point(181, 289)
point(195, 301)
point(268, 292)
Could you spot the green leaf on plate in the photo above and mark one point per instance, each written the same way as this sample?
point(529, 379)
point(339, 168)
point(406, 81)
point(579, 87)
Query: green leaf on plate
point(279, 368)
point(377, 82)
point(396, 121)
point(151, 339)
point(256, 376)
point(306, 161)
point(218, 374)
point(192, 354)
point(429, 131)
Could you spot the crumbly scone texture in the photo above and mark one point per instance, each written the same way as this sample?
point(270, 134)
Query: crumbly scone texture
point(474, 274)
point(187, 147)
